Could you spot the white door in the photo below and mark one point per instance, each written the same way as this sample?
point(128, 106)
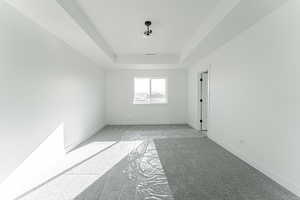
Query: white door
point(203, 100)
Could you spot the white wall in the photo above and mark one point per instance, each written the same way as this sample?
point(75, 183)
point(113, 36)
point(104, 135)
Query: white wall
point(43, 84)
point(119, 98)
point(255, 95)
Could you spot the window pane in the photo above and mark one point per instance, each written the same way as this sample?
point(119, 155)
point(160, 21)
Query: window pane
point(158, 91)
point(141, 90)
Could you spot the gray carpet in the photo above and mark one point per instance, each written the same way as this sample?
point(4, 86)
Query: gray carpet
point(170, 162)
point(197, 168)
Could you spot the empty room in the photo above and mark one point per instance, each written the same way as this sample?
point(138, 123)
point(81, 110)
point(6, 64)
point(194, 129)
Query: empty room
point(149, 100)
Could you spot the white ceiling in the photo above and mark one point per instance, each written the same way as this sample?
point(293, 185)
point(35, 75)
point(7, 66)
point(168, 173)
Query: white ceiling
point(111, 32)
point(121, 23)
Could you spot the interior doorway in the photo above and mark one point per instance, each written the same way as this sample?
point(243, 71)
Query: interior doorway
point(203, 100)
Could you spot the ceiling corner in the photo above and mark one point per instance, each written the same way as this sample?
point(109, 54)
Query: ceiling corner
point(74, 10)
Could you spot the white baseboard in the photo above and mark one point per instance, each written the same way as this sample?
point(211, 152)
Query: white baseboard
point(193, 126)
point(145, 123)
point(289, 185)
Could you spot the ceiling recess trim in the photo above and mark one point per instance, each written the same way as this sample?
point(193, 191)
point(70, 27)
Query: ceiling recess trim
point(148, 59)
point(238, 17)
point(223, 8)
point(74, 10)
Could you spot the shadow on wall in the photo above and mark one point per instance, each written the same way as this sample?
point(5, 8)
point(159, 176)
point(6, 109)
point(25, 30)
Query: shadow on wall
point(35, 167)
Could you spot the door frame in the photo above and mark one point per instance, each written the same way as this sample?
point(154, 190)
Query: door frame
point(199, 96)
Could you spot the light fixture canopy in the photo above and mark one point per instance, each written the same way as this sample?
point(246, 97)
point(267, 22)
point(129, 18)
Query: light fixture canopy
point(148, 31)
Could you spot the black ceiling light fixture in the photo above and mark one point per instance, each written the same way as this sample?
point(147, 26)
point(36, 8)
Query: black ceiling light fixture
point(148, 32)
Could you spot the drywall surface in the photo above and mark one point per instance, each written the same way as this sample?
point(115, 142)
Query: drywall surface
point(44, 85)
point(120, 92)
point(255, 95)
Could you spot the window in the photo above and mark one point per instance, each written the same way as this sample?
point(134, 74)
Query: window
point(150, 91)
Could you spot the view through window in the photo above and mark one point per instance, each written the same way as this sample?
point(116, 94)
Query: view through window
point(150, 90)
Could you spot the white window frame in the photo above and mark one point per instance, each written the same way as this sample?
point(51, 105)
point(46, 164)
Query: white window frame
point(150, 79)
